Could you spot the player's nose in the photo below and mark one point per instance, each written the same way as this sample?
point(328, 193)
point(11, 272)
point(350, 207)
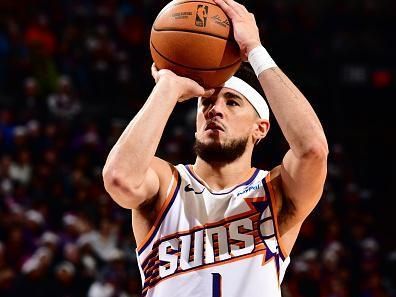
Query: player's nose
point(217, 109)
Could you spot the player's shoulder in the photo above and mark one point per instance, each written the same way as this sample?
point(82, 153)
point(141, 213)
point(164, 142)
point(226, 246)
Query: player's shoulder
point(162, 167)
point(165, 171)
point(167, 175)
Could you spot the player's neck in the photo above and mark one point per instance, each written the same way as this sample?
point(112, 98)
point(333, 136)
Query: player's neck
point(220, 176)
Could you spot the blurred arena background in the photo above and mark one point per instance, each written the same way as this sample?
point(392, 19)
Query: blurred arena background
point(72, 75)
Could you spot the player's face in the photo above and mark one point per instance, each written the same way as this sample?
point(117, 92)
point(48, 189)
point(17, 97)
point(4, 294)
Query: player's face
point(225, 119)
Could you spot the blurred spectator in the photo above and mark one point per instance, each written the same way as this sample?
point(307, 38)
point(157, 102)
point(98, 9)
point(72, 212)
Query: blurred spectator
point(64, 104)
point(39, 36)
point(7, 274)
point(21, 170)
point(31, 105)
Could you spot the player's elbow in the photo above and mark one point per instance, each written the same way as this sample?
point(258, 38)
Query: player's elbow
point(111, 179)
point(117, 187)
point(317, 150)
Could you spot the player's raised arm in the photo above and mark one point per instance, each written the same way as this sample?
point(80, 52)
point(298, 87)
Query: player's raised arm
point(303, 170)
point(132, 175)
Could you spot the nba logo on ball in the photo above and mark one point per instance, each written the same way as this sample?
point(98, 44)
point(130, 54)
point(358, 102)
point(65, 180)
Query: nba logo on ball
point(195, 39)
point(201, 15)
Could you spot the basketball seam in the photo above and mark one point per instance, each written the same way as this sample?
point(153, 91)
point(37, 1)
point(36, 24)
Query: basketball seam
point(178, 3)
point(193, 68)
point(170, 29)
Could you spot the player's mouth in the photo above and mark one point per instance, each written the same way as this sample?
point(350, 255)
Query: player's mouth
point(214, 126)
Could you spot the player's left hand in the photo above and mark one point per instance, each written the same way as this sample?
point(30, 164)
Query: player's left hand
point(246, 32)
point(186, 87)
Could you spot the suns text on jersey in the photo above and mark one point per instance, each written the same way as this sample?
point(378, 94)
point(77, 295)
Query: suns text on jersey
point(202, 246)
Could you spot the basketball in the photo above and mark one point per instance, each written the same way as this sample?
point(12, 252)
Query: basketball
point(195, 39)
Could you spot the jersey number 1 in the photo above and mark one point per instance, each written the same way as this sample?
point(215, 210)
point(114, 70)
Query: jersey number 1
point(216, 288)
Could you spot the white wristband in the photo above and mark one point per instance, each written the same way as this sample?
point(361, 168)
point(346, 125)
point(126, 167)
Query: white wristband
point(260, 60)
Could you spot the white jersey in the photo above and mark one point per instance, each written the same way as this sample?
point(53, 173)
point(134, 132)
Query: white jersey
point(214, 244)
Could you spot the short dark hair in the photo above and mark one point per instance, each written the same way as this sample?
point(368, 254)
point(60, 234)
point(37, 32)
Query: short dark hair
point(246, 73)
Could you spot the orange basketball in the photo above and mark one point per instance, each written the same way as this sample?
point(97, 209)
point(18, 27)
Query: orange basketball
point(195, 39)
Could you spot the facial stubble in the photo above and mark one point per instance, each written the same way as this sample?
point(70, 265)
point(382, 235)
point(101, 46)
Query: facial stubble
point(225, 153)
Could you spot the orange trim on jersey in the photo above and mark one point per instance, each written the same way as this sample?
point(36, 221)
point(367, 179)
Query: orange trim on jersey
point(275, 213)
point(230, 219)
point(258, 252)
point(162, 210)
point(248, 214)
point(210, 225)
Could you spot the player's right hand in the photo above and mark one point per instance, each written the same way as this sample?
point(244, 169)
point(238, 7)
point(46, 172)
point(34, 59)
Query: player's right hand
point(246, 32)
point(187, 88)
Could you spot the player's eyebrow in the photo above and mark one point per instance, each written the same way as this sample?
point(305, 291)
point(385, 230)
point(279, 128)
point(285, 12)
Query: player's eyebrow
point(230, 95)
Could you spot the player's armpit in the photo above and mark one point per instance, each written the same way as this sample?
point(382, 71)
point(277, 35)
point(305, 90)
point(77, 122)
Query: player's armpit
point(303, 180)
point(285, 208)
point(298, 186)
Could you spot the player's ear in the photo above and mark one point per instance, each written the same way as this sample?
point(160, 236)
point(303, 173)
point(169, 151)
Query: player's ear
point(261, 128)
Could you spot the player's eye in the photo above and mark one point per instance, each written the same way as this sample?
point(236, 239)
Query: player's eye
point(232, 103)
point(206, 102)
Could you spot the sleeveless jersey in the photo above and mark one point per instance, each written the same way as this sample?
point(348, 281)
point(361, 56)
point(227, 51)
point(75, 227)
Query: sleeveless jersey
point(214, 244)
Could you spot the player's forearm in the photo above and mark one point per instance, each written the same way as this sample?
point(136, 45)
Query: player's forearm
point(296, 117)
point(131, 156)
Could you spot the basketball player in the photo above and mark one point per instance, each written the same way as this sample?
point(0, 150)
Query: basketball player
point(219, 227)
